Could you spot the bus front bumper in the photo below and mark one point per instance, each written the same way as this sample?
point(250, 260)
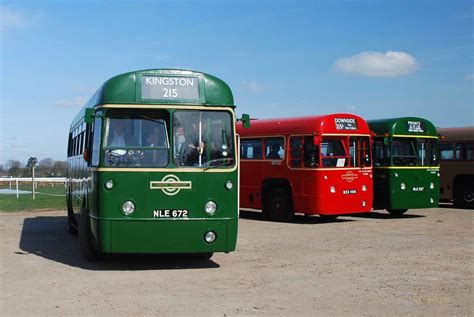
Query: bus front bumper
point(164, 235)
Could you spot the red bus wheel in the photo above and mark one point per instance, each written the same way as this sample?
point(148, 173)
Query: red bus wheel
point(278, 205)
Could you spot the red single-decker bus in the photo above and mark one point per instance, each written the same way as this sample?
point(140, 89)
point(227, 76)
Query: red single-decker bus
point(310, 165)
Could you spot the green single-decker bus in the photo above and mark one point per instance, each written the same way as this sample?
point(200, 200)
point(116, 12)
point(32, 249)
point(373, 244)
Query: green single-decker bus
point(152, 166)
point(406, 165)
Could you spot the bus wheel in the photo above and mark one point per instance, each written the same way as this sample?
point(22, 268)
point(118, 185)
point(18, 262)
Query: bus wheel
point(328, 217)
point(85, 243)
point(278, 205)
point(397, 212)
point(464, 195)
point(71, 222)
point(203, 256)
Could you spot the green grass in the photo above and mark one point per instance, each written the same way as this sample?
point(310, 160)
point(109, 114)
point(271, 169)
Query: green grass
point(25, 202)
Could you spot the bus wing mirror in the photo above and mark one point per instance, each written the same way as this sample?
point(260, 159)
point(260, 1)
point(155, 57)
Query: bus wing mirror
point(245, 121)
point(89, 116)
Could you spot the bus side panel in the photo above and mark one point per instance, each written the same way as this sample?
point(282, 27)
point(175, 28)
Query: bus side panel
point(251, 184)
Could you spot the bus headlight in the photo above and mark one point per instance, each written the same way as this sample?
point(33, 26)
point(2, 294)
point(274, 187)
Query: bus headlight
point(333, 189)
point(432, 200)
point(210, 236)
point(364, 203)
point(396, 174)
point(432, 185)
point(364, 188)
point(229, 185)
point(128, 207)
point(210, 208)
point(403, 186)
point(109, 184)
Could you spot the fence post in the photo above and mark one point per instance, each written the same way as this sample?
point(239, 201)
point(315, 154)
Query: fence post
point(11, 182)
point(16, 181)
point(33, 179)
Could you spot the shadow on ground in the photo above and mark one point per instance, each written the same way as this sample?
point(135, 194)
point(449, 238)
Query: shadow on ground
point(385, 215)
point(299, 219)
point(48, 237)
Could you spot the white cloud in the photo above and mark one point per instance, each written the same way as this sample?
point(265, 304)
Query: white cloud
point(76, 102)
point(253, 86)
point(378, 64)
point(10, 19)
point(469, 77)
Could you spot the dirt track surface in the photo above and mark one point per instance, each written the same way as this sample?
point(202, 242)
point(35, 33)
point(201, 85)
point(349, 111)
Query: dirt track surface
point(418, 264)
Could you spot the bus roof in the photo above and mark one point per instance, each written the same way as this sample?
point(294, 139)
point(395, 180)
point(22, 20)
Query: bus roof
point(405, 126)
point(317, 125)
point(457, 134)
point(127, 89)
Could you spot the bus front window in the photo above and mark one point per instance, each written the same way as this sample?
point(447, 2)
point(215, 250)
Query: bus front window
point(333, 153)
point(203, 138)
point(138, 139)
point(359, 148)
point(403, 152)
point(427, 152)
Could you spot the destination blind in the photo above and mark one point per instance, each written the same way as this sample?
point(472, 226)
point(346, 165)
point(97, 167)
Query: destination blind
point(416, 126)
point(170, 88)
point(345, 123)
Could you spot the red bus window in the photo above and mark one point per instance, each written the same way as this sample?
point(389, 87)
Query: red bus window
point(251, 149)
point(296, 151)
point(333, 153)
point(311, 152)
point(359, 151)
point(274, 148)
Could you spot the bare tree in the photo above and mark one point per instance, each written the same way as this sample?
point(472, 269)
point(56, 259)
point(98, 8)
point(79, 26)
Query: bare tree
point(45, 167)
point(59, 168)
point(14, 168)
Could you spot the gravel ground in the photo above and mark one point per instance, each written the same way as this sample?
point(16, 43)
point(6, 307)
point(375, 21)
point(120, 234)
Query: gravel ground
point(417, 264)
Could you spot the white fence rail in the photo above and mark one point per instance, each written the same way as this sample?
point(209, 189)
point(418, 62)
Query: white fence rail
point(36, 180)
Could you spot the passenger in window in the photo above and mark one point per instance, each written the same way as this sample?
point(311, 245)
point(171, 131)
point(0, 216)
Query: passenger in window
point(117, 133)
point(156, 137)
point(310, 157)
point(273, 154)
point(191, 149)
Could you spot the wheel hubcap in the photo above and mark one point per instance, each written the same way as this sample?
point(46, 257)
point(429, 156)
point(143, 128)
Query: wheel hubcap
point(469, 197)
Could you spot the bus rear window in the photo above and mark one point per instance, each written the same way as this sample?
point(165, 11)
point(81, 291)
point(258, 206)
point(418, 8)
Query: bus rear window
point(333, 153)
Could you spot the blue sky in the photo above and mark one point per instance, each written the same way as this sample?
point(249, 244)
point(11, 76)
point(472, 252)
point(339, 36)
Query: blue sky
point(377, 59)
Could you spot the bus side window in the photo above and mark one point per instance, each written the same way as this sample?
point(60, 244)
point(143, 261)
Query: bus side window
point(296, 152)
point(311, 152)
point(96, 139)
point(251, 149)
point(446, 152)
point(274, 148)
point(470, 151)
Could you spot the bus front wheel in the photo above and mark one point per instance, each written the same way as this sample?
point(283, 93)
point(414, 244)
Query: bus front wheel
point(85, 242)
point(71, 222)
point(278, 205)
point(397, 212)
point(203, 256)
